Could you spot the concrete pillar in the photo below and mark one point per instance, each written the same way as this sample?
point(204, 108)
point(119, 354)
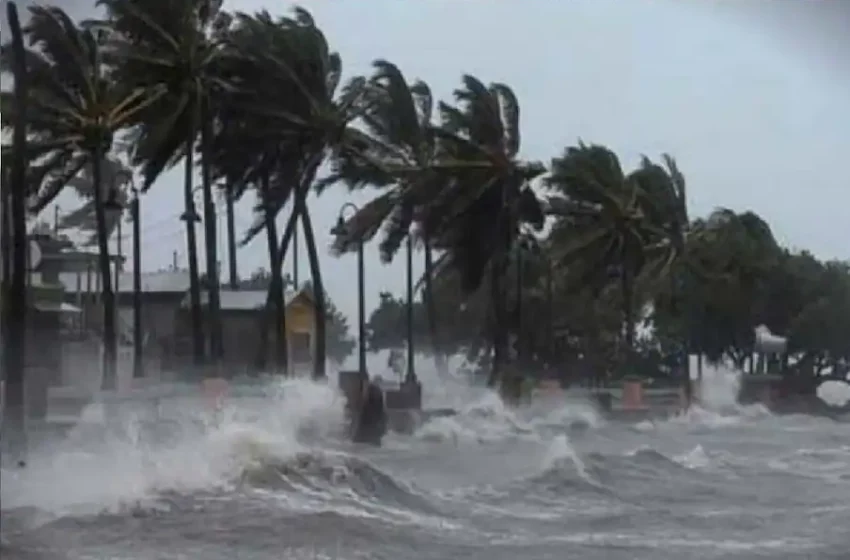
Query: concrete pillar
point(215, 390)
point(633, 395)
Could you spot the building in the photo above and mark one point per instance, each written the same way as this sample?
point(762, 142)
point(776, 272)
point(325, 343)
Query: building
point(242, 314)
point(49, 316)
point(167, 324)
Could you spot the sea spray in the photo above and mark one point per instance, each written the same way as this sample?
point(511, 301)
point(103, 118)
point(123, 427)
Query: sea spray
point(113, 469)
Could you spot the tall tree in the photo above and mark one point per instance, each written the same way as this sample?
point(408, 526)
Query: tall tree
point(75, 107)
point(117, 178)
point(14, 288)
point(287, 80)
point(601, 222)
point(485, 197)
point(394, 154)
point(174, 45)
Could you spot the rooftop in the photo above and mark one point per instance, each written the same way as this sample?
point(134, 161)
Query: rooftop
point(160, 282)
point(242, 300)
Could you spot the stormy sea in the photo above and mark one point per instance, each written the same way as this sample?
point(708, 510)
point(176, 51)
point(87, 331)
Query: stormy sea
point(269, 476)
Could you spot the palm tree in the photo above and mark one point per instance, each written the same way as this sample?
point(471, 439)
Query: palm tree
point(14, 289)
point(246, 153)
point(287, 80)
point(485, 197)
point(75, 107)
point(174, 44)
point(601, 223)
point(397, 150)
point(117, 178)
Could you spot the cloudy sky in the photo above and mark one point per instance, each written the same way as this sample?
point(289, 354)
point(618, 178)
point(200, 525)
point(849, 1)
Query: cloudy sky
point(751, 97)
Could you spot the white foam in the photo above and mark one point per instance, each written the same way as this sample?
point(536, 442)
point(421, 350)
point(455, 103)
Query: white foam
point(834, 393)
point(97, 469)
point(561, 452)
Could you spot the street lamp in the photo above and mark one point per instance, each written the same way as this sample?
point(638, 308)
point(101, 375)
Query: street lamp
point(410, 376)
point(339, 230)
point(138, 361)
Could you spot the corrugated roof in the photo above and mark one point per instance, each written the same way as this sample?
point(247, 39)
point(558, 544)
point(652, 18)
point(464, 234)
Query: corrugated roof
point(241, 300)
point(163, 281)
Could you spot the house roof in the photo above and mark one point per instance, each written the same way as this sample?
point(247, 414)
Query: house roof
point(245, 300)
point(177, 282)
point(160, 282)
point(56, 307)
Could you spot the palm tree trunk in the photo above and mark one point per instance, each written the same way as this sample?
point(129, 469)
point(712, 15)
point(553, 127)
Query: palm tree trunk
point(110, 355)
point(685, 357)
point(231, 242)
point(431, 310)
point(320, 326)
point(277, 291)
point(14, 281)
point(699, 368)
point(190, 217)
point(520, 338)
point(211, 244)
point(281, 248)
point(500, 334)
point(628, 315)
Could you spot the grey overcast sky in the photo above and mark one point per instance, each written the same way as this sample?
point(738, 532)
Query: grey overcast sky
point(751, 97)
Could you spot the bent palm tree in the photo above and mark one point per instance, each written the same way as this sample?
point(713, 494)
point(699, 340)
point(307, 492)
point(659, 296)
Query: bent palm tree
point(116, 179)
point(485, 197)
point(75, 107)
point(173, 44)
point(601, 223)
point(287, 81)
point(13, 187)
point(395, 153)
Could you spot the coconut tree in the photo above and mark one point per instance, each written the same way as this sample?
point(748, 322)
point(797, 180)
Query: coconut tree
point(288, 81)
point(601, 224)
point(667, 228)
point(398, 148)
point(14, 288)
point(75, 108)
point(116, 178)
point(248, 155)
point(173, 45)
point(485, 196)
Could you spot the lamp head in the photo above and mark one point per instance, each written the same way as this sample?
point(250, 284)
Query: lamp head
point(339, 228)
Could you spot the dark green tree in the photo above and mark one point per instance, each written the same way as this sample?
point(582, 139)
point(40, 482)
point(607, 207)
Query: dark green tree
point(75, 107)
point(173, 46)
point(485, 199)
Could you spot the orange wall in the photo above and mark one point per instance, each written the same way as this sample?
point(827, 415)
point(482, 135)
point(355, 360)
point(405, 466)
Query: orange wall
point(299, 316)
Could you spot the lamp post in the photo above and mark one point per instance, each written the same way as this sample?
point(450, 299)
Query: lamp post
point(190, 217)
point(338, 230)
point(410, 376)
point(138, 363)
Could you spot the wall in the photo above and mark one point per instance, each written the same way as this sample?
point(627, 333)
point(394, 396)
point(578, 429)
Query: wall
point(300, 321)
